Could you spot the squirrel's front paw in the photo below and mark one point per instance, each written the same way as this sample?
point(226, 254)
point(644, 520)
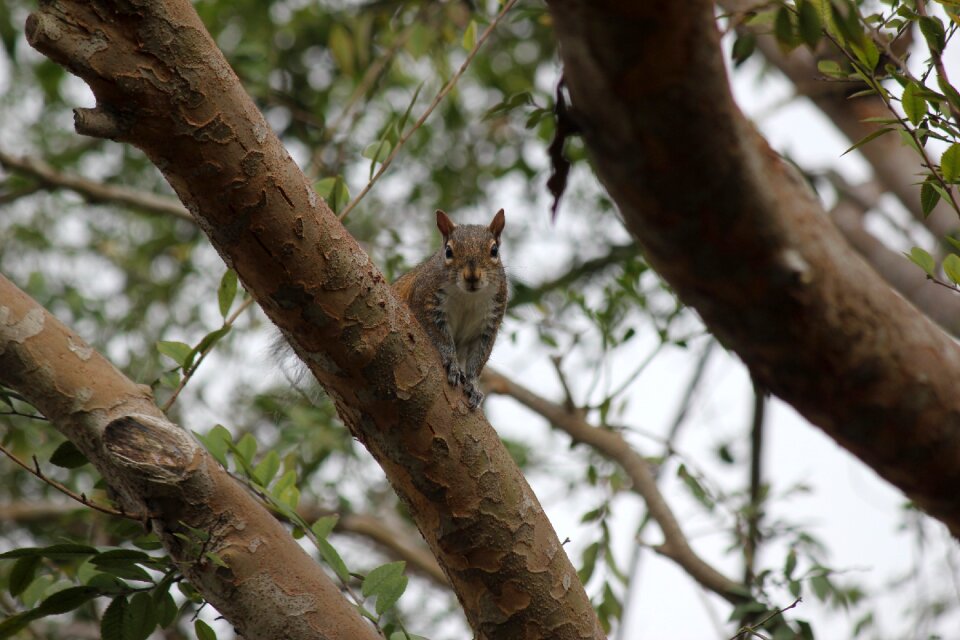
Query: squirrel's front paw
point(454, 374)
point(474, 395)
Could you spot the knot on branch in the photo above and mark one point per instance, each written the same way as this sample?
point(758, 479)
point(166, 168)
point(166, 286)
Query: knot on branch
point(156, 450)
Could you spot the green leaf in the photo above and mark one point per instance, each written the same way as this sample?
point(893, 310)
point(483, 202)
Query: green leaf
point(203, 631)
point(953, 242)
point(377, 152)
point(323, 526)
point(808, 23)
point(390, 592)
point(64, 551)
point(872, 136)
point(290, 497)
point(67, 600)
point(867, 53)
point(790, 564)
point(267, 468)
point(176, 351)
point(929, 197)
point(831, 68)
point(783, 29)
point(341, 48)
point(922, 259)
point(933, 33)
point(378, 576)
point(140, 617)
point(68, 456)
point(695, 487)
point(913, 104)
point(211, 339)
point(111, 624)
point(470, 36)
point(334, 191)
point(950, 163)
point(216, 559)
point(590, 555)
point(333, 559)
point(21, 575)
point(217, 441)
point(227, 291)
point(743, 47)
point(166, 608)
point(247, 447)
point(951, 266)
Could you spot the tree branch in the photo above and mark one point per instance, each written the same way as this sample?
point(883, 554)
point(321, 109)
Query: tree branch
point(612, 446)
point(196, 123)
point(156, 468)
point(751, 249)
point(91, 190)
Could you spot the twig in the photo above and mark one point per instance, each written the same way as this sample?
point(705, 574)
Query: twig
point(79, 497)
point(753, 513)
point(451, 83)
point(752, 630)
point(187, 375)
point(370, 76)
point(938, 64)
point(92, 190)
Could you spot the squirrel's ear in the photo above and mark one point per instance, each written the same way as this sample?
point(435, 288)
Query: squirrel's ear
point(445, 224)
point(496, 227)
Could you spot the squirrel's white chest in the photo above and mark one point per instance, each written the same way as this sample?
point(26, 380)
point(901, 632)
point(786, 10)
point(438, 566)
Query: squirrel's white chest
point(468, 314)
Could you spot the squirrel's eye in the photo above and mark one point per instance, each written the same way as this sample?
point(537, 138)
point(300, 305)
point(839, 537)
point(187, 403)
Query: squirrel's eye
point(448, 253)
point(494, 250)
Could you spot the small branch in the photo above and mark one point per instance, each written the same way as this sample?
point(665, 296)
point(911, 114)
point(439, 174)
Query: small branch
point(614, 447)
point(451, 83)
point(187, 375)
point(523, 294)
point(754, 507)
point(92, 190)
point(79, 497)
point(938, 64)
point(370, 76)
point(752, 630)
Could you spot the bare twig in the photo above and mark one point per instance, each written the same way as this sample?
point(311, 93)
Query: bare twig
point(451, 83)
point(752, 630)
point(92, 190)
point(79, 497)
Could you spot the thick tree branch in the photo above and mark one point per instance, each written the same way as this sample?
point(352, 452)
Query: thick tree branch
point(161, 84)
point(742, 240)
point(91, 190)
point(269, 588)
point(612, 446)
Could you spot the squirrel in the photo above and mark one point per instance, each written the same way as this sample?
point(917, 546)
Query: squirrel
point(459, 295)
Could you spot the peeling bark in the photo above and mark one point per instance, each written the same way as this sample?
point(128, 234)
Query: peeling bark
point(270, 587)
point(744, 242)
point(162, 85)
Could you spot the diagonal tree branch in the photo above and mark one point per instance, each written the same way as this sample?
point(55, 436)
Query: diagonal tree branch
point(742, 240)
point(156, 468)
point(195, 122)
point(612, 446)
point(91, 190)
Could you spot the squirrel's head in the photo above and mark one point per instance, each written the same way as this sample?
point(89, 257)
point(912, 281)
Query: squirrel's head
point(471, 251)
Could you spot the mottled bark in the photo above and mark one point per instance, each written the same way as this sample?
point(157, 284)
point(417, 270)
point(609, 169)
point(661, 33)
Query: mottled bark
point(162, 85)
point(270, 588)
point(743, 241)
